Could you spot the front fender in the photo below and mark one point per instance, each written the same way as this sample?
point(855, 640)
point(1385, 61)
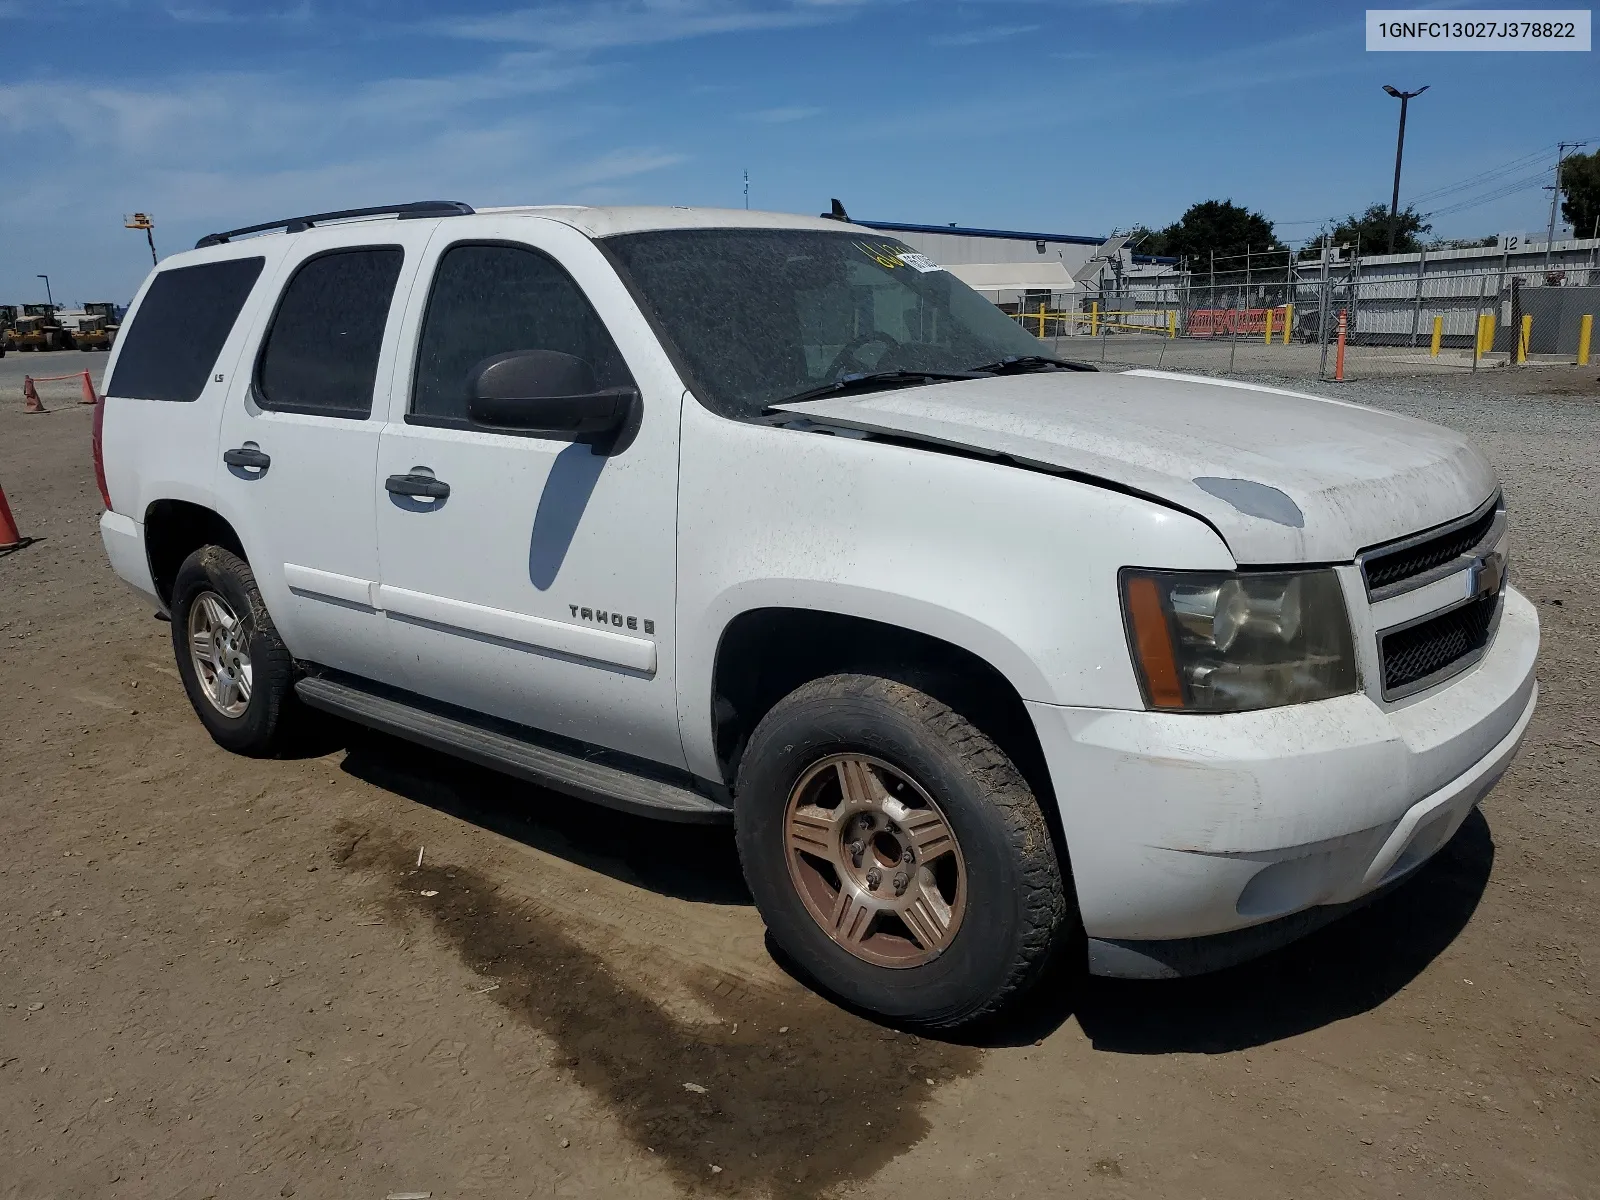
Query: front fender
point(1014, 566)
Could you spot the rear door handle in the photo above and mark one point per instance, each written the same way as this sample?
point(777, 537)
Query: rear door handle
point(417, 485)
point(247, 456)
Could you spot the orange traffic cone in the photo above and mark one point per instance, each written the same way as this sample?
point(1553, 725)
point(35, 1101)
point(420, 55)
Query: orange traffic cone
point(88, 391)
point(9, 538)
point(31, 395)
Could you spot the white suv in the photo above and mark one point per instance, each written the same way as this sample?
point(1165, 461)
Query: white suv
point(722, 515)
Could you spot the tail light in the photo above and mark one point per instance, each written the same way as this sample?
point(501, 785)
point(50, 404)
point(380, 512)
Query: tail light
point(99, 456)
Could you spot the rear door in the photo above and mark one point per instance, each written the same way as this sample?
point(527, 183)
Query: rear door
point(300, 439)
point(541, 589)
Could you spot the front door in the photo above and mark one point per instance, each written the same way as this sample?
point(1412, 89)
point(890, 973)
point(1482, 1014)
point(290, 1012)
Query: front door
point(300, 440)
point(537, 585)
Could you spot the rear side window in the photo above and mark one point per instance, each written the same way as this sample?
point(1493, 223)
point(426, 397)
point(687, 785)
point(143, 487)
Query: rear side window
point(321, 353)
point(187, 313)
point(491, 299)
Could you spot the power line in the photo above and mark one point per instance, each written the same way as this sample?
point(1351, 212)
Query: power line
point(1498, 193)
point(1483, 177)
point(1490, 176)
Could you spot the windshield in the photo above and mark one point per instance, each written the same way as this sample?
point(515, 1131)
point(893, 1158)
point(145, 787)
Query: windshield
point(759, 315)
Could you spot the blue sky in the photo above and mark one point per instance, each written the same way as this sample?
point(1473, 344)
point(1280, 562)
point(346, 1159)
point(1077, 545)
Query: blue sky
point(1069, 116)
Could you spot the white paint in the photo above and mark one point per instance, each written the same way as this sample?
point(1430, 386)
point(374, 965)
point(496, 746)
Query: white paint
point(330, 584)
point(638, 654)
point(123, 538)
point(1360, 476)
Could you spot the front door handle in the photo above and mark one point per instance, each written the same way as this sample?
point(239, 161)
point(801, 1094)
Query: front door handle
point(247, 456)
point(417, 485)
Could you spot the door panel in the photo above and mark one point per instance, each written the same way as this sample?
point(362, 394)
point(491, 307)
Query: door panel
point(304, 398)
point(541, 589)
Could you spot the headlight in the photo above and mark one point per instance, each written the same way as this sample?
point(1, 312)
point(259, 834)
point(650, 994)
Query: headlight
point(1211, 642)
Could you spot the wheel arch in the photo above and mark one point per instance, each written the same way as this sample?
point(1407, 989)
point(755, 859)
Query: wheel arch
point(175, 529)
point(765, 653)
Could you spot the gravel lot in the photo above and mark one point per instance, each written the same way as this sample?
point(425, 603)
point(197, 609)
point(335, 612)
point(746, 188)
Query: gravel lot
point(224, 977)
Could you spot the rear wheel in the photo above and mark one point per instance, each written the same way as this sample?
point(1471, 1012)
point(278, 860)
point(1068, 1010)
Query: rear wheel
point(236, 670)
point(896, 854)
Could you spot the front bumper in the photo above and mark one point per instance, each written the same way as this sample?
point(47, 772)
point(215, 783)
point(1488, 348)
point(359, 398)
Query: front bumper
point(1185, 826)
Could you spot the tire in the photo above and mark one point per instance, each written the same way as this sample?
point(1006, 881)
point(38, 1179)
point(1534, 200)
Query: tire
point(1008, 909)
point(259, 720)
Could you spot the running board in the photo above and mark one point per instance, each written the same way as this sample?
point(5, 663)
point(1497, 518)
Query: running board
point(585, 778)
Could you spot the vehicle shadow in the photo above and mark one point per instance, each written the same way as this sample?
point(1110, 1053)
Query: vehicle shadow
point(689, 862)
point(1343, 969)
point(1339, 971)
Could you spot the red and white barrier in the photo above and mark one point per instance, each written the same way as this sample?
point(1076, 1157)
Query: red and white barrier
point(30, 392)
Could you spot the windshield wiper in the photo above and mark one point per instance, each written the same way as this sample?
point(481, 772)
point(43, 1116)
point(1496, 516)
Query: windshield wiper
point(1019, 364)
point(876, 380)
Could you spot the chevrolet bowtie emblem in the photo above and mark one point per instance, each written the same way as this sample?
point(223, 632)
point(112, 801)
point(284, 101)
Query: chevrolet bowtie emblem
point(1488, 574)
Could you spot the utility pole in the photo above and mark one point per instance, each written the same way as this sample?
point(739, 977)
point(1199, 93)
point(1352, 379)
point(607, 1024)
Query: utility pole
point(1555, 194)
point(48, 297)
point(747, 191)
point(1399, 150)
point(146, 223)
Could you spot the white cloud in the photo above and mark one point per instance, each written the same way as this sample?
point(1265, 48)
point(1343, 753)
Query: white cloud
point(216, 14)
point(982, 37)
point(782, 116)
point(610, 23)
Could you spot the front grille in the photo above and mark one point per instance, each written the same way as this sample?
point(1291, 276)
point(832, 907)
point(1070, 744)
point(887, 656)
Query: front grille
point(1386, 567)
point(1452, 639)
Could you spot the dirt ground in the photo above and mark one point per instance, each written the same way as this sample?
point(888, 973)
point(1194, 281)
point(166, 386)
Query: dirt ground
point(229, 978)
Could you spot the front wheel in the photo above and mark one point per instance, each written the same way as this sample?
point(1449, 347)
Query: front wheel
point(235, 668)
point(896, 854)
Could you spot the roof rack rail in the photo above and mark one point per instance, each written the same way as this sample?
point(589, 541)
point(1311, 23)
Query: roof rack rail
point(416, 209)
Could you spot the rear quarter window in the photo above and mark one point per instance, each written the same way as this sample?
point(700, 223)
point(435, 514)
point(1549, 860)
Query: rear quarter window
point(169, 351)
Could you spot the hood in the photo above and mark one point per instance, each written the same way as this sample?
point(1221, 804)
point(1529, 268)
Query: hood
point(1282, 476)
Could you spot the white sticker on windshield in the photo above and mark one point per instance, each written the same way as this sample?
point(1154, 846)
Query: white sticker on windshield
point(918, 261)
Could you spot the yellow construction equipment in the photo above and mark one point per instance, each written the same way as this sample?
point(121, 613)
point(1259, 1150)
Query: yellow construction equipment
point(38, 329)
point(97, 328)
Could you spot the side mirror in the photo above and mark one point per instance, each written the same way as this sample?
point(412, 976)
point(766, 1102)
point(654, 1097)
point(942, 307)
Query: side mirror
point(549, 394)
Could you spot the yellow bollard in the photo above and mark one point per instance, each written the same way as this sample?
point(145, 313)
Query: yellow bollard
point(1438, 335)
point(1041, 318)
point(1094, 317)
point(1525, 338)
point(1269, 327)
point(1172, 322)
point(1491, 324)
point(1288, 321)
point(1585, 333)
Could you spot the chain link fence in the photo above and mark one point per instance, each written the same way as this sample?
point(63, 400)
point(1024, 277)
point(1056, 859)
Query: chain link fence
point(1323, 320)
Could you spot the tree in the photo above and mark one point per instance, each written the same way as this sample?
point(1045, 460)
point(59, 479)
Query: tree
point(1372, 228)
point(1580, 191)
point(1218, 227)
point(1145, 240)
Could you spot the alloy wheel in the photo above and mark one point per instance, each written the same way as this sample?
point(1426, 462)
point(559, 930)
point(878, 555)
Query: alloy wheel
point(219, 646)
point(874, 860)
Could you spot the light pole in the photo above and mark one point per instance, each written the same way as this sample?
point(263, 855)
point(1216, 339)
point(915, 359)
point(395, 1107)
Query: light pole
point(1399, 150)
point(47, 294)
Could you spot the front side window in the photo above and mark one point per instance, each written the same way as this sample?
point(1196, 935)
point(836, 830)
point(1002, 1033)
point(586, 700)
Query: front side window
point(760, 315)
point(186, 315)
point(493, 299)
point(321, 353)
